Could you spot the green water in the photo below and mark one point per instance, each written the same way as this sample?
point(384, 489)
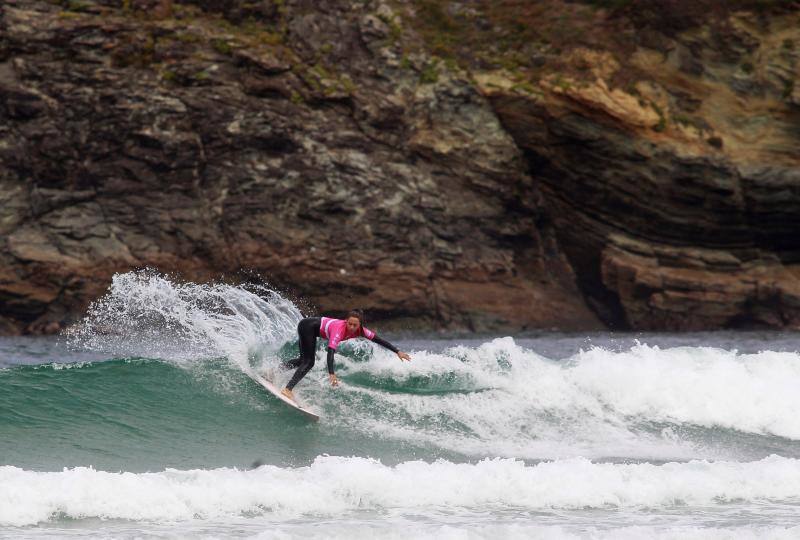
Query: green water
point(140, 414)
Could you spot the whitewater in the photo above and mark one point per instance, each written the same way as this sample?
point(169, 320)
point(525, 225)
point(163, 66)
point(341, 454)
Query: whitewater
point(142, 421)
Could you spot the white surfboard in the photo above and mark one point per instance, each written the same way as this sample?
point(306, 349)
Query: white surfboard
point(275, 391)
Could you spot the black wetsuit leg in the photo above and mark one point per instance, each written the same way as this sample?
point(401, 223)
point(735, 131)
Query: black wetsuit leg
point(307, 330)
point(292, 364)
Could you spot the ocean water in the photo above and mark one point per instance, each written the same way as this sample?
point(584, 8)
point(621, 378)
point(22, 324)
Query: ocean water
point(143, 422)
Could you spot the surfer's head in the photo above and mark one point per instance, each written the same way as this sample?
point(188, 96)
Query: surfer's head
point(355, 320)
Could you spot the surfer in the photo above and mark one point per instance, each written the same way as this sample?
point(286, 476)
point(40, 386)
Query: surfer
point(335, 331)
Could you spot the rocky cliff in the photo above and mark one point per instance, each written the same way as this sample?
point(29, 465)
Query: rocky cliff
point(471, 165)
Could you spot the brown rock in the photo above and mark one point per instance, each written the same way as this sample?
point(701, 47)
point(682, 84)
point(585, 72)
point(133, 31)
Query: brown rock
point(192, 146)
point(646, 180)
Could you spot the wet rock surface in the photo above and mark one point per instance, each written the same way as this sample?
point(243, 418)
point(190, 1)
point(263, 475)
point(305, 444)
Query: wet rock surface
point(334, 150)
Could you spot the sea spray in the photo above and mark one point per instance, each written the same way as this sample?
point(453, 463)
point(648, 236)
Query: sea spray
point(150, 315)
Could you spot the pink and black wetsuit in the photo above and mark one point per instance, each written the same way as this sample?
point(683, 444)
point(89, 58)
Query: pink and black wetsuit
point(335, 331)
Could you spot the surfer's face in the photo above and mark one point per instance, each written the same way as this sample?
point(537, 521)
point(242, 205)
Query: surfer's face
point(353, 324)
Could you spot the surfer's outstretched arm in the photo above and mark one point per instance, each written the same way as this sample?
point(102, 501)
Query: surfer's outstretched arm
point(386, 345)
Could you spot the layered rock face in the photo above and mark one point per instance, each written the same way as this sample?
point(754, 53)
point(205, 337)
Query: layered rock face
point(473, 165)
point(674, 178)
point(293, 142)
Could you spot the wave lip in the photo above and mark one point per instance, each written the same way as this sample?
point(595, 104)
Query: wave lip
point(333, 486)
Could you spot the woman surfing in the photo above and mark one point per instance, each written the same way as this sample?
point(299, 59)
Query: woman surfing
point(335, 331)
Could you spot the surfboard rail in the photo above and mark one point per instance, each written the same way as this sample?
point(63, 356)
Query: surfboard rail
point(275, 391)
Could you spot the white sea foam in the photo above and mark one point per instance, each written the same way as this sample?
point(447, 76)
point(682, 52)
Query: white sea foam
point(518, 403)
point(536, 532)
point(699, 385)
point(402, 529)
point(336, 487)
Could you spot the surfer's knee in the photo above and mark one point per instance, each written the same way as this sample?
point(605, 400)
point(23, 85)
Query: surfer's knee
point(307, 362)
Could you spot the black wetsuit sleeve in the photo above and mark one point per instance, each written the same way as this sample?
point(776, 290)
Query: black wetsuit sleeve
point(384, 343)
point(330, 360)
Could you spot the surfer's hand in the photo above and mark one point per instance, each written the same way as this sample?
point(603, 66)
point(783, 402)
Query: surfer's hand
point(403, 356)
point(334, 380)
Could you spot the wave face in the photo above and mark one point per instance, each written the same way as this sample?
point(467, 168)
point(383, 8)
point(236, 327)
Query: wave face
point(145, 415)
point(496, 400)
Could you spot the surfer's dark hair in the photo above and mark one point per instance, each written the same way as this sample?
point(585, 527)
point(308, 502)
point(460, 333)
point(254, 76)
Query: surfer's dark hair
point(358, 314)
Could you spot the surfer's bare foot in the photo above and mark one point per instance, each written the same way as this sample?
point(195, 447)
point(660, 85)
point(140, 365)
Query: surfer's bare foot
point(288, 393)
